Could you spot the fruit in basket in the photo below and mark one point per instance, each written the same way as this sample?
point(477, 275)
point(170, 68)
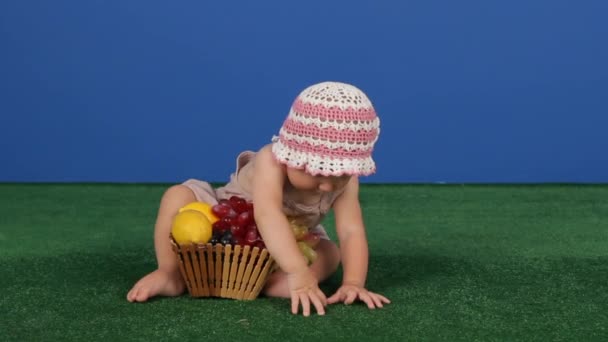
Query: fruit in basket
point(191, 226)
point(238, 204)
point(237, 240)
point(260, 244)
point(236, 226)
point(215, 237)
point(244, 219)
point(235, 216)
point(203, 207)
point(299, 231)
point(226, 238)
point(311, 239)
point(251, 237)
point(307, 240)
point(221, 226)
point(223, 209)
point(237, 231)
point(308, 252)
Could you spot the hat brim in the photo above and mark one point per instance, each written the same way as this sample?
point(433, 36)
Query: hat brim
point(325, 166)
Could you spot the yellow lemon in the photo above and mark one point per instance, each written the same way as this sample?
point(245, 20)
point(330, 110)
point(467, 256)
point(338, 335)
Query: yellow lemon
point(191, 226)
point(204, 208)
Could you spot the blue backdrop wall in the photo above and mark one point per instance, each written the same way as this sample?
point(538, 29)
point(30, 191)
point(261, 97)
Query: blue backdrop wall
point(161, 91)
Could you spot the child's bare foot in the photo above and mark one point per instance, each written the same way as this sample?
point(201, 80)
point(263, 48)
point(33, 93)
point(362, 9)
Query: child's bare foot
point(157, 283)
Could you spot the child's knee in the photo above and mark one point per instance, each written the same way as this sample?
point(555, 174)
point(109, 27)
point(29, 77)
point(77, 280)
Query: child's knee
point(174, 198)
point(277, 285)
point(331, 256)
point(178, 194)
point(334, 256)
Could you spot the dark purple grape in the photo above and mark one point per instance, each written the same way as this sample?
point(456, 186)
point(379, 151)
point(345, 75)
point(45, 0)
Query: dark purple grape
point(215, 238)
point(226, 238)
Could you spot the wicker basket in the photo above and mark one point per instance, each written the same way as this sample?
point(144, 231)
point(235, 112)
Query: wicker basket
point(238, 272)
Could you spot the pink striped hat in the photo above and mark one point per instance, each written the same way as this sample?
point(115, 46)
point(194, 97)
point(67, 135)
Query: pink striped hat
point(330, 130)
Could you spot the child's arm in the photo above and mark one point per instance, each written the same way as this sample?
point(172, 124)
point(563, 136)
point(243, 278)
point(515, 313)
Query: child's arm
point(267, 191)
point(353, 249)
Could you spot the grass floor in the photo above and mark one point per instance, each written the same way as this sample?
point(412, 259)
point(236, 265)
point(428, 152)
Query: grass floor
point(460, 263)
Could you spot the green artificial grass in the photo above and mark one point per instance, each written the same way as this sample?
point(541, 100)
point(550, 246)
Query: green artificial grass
point(460, 263)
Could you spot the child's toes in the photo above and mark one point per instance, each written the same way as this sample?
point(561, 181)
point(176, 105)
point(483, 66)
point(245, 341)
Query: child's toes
point(131, 295)
point(142, 295)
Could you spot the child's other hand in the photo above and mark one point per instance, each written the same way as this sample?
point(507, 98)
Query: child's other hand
point(304, 289)
point(348, 294)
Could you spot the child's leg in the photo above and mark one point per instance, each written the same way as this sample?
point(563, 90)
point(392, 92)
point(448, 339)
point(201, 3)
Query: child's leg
point(166, 280)
point(328, 259)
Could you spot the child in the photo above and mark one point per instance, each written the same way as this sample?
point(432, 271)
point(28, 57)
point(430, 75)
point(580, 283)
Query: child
point(311, 167)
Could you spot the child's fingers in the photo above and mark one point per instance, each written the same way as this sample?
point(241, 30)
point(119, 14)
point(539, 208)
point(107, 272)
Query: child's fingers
point(322, 297)
point(305, 304)
point(384, 299)
point(365, 298)
point(316, 301)
point(295, 303)
point(350, 297)
point(337, 297)
point(376, 299)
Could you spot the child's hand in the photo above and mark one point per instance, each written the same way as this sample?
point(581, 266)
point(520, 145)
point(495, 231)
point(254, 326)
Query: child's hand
point(348, 294)
point(304, 289)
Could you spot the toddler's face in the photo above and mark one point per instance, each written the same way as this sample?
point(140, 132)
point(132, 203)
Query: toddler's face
point(304, 181)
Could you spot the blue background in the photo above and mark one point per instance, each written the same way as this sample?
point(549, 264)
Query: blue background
point(150, 91)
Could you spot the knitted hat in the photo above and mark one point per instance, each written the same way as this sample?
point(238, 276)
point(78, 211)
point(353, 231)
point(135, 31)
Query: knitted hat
point(330, 130)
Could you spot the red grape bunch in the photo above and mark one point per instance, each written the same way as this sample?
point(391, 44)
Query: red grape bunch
point(236, 225)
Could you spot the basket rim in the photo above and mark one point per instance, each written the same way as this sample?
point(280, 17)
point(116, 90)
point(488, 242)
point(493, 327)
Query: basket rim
point(205, 246)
